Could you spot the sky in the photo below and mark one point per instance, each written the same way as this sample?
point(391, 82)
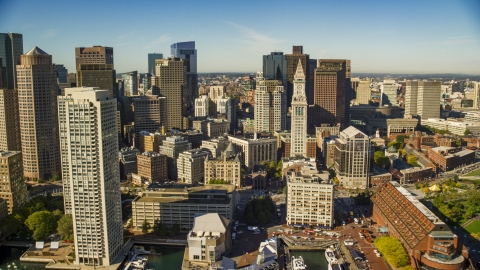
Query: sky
point(428, 36)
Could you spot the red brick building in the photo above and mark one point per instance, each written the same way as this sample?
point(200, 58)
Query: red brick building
point(449, 158)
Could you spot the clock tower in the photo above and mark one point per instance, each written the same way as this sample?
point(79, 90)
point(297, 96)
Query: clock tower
point(298, 137)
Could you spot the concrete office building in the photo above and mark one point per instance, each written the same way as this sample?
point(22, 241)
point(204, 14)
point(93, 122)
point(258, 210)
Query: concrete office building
point(172, 147)
point(93, 55)
point(212, 128)
point(216, 146)
point(179, 204)
point(127, 157)
point(270, 106)
point(11, 47)
point(275, 67)
point(389, 92)
point(130, 85)
point(9, 120)
point(88, 130)
point(170, 80)
point(13, 189)
point(255, 151)
point(429, 242)
point(309, 195)
point(152, 57)
point(330, 93)
point(222, 104)
point(422, 99)
point(202, 106)
point(209, 238)
point(362, 90)
point(37, 103)
point(476, 95)
point(97, 75)
point(352, 158)
point(190, 166)
point(298, 139)
point(227, 167)
point(152, 167)
point(292, 63)
point(215, 92)
point(231, 112)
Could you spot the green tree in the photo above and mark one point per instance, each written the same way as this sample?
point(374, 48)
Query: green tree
point(41, 223)
point(467, 132)
point(159, 228)
point(393, 251)
point(412, 160)
point(175, 229)
point(65, 227)
point(10, 225)
point(130, 222)
point(145, 226)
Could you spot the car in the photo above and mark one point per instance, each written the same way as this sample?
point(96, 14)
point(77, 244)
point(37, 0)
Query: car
point(378, 254)
point(376, 251)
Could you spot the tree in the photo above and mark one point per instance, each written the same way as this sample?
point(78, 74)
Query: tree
point(41, 223)
point(10, 225)
point(159, 228)
point(412, 160)
point(467, 132)
point(130, 222)
point(175, 229)
point(145, 226)
point(393, 251)
point(65, 227)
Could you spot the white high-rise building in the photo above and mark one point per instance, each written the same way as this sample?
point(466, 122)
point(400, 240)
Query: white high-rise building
point(389, 92)
point(88, 130)
point(476, 94)
point(222, 104)
point(422, 99)
point(298, 139)
point(202, 104)
point(270, 106)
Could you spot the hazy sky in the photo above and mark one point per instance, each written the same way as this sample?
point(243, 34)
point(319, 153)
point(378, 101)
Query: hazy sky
point(378, 36)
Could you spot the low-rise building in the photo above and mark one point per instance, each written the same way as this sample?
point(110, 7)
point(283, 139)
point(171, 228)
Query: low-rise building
point(454, 127)
point(449, 158)
point(179, 204)
point(216, 146)
point(172, 147)
point(152, 167)
point(191, 164)
point(227, 167)
point(411, 175)
point(128, 161)
point(150, 142)
point(212, 128)
point(209, 238)
point(378, 176)
point(309, 195)
point(429, 242)
point(255, 151)
point(12, 185)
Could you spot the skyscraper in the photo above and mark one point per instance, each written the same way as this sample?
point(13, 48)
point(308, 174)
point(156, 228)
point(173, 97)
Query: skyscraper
point(476, 95)
point(298, 139)
point(150, 114)
point(270, 106)
point(61, 73)
point(37, 102)
point(389, 92)
point(362, 90)
point(292, 62)
point(151, 62)
point(90, 165)
point(11, 47)
point(187, 52)
point(93, 55)
point(422, 99)
point(330, 91)
point(9, 121)
point(130, 85)
point(170, 81)
point(275, 67)
point(97, 75)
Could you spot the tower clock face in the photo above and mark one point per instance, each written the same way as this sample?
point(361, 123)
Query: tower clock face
point(299, 87)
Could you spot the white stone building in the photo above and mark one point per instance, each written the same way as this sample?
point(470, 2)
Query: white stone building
point(190, 165)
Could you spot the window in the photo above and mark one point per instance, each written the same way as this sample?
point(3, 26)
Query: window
point(196, 257)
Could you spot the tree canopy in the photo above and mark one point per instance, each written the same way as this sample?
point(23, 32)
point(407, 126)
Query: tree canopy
point(42, 223)
point(259, 210)
point(393, 251)
point(65, 227)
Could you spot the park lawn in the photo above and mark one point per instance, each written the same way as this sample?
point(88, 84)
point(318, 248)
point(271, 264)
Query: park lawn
point(473, 173)
point(473, 227)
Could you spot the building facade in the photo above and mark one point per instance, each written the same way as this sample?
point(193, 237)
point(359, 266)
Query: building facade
point(130, 83)
point(298, 139)
point(152, 167)
point(255, 151)
point(429, 242)
point(149, 142)
point(449, 158)
point(190, 166)
point(93, 55)
point(309, 195)
point(92, 184)
point(11, 47)
point(97, 75)
point(275, 67)
point(212, 128)
point(37, 103)
point(152, 57)
point(202, 106)
point(179, 204)
point(270, 106)
point(352, 158)
point(170, 81)
point(150, 114)
point(9, 120)
point(172, 147)
point(216, 146)
point(389, 92)
point(422, 99)
point(292, 64)
point(13, 189)
point(227, 167)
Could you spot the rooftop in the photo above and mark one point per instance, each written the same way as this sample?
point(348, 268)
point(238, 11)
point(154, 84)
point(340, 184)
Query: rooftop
point(36, 51)
point(420, 206)
point(210, 223)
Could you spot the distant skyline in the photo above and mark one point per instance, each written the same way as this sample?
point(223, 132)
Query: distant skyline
point(377, 36)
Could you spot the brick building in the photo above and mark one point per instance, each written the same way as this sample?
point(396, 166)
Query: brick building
point(449, 158)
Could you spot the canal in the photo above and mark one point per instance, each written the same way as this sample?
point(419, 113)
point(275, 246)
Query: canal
point(313, 259)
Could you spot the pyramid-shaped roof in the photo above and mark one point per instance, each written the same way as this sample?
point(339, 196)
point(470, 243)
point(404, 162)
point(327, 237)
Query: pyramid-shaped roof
point(299, 73)
point(211, 222)
point(36, 51)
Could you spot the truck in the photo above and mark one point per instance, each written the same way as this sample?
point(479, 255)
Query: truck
point(356, 220)
point(252, 228)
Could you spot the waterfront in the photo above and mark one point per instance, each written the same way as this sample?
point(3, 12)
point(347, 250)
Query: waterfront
point(171, 258)
point(10, 255)
point(313, 259)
